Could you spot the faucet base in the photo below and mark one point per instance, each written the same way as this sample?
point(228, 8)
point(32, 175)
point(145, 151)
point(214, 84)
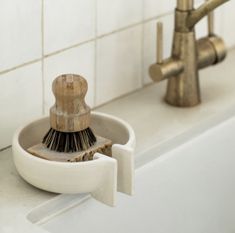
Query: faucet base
point(178, 102)
point(176, 96)
point(183, 89)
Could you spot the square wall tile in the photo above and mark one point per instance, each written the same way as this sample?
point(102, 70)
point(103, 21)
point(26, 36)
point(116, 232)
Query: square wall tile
point(150, 38)
point(115, 14)
point(20, 24)
point(228, 23)
point(20, 99)
point(68, 22)
point(154, 8)
point(80, 61)
point(118, 64)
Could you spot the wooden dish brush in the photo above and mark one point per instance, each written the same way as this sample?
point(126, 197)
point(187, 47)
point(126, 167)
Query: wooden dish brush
point(70, 138)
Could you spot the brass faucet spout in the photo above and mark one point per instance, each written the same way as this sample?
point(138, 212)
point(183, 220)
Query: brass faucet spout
point(203, 10)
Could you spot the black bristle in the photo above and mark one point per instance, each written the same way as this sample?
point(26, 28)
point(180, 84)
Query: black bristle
point(69, 142)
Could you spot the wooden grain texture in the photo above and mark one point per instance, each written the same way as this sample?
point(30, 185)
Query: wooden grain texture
point(102, 145)
point(70, 112)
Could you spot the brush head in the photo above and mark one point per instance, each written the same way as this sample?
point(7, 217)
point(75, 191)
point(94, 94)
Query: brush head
point(69, 142)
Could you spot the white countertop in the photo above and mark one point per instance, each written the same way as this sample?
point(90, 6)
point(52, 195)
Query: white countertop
point(155, 124)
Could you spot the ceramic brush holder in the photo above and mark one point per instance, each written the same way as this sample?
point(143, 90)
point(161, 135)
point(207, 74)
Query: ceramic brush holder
point(102, 177)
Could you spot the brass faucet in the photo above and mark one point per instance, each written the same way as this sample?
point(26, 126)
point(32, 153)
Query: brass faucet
point(188, 54)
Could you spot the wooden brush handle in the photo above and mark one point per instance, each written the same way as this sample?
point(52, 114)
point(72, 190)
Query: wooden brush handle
point(70, 112)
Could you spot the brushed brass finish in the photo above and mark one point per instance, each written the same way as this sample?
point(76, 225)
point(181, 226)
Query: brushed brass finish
point(184, 5)
point(159, 42)
point(211, 23)
point(166, 69)
point(196, 15)
point(207, 53)
point(211, 50)
point(183, 89)
point(219, 48)
point(188, 54)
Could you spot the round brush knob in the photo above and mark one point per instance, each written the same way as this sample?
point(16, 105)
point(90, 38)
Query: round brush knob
point(70, 112)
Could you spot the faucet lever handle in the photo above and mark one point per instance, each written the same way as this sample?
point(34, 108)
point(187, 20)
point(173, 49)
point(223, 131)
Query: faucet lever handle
point(159, 42)
point(211, 23)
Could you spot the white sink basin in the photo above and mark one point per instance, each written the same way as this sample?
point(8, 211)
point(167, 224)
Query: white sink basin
point(187, 190)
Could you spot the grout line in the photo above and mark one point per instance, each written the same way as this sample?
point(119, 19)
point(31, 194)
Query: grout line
point(5, 148)
point(116, 98)
point(133, 25)
point(158, 17)
point(93, 39)
point(68, 48)
point(20, 66)
point(142, 46)
point(125, 95)
point(95, 56)
point(88, 41)
point(42, 59)
point(119, 30)
point(82, 43)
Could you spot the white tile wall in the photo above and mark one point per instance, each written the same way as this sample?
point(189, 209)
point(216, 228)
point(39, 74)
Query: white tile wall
point(20, 26)
point(79, 60)
point(153, 8)
point(115, 14)
point(20, 99)
point(228, 23)
point(68, 22)
point(110, 42)
point(118, 64)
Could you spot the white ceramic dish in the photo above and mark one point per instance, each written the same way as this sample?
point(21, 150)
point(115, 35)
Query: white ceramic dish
point(102, 177)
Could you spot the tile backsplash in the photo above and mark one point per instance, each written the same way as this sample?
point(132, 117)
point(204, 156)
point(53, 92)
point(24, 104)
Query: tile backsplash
point(110, 42)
